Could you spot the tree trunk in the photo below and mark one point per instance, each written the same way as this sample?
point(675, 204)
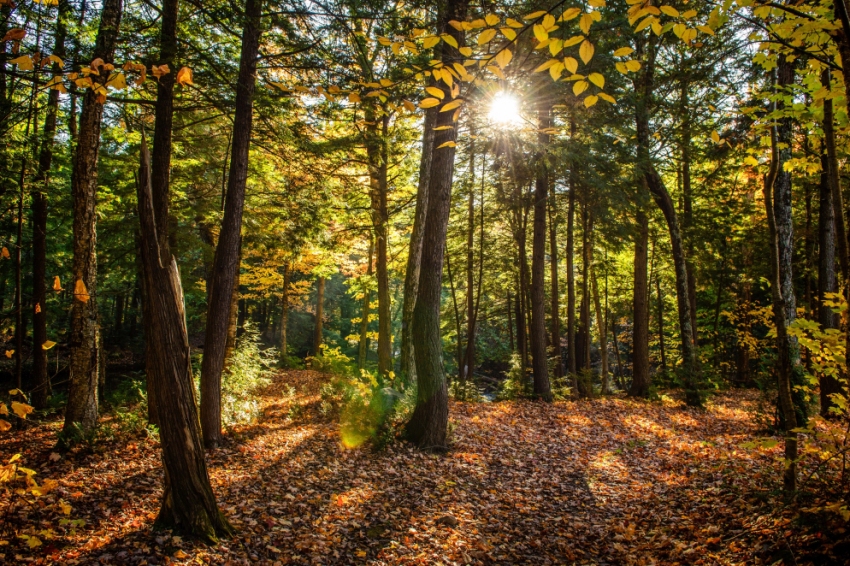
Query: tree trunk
point(641, 379)
point(510, 323)
point(320, 306)
point(558, 369)
point(82, 396)
point(364, 319)
point(227, 254)
point(660, 299)
point(785, 362)
point(687, 208)
point(284, 312)
point(826, 276)
point(570, 256)
point(602, 324)
point(428, 424)
point(617, 354)
point(540, 367)
point(188, 502)
point(414, 257)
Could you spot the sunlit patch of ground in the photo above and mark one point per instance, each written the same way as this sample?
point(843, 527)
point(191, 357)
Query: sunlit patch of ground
point(609, 481)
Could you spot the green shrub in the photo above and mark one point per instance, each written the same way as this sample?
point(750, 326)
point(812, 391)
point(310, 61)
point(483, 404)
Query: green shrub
point(465, 391)
point(248, 370)
point(331, 361)
point(516, 382)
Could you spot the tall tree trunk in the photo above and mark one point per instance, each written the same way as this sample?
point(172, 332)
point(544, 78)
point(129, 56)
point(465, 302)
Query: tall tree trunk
point(617, 353)
point(227, 254)
point(784, 351)
point(284, 312)
point(188, 502)
point(558, 369)
point(602, 324)
point(377, 154)
point(660, 299)
point(690, 360)
point(510, 323)
point(364, 319)
point(540, 367)
point(466, 368)
point(826, 275)
point(414, 256)
point(39, 221)
point(320, 307)
point(570, 257)
point(428, 424)
point(641, 380)
point(688, 207)
point(82, 395)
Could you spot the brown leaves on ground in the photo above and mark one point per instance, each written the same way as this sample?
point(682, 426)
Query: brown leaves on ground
point(609, 481)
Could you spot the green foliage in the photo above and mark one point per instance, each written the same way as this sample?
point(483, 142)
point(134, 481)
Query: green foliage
point(331, 361)
point(465, 391)
point(516, 383)
point(248, 370)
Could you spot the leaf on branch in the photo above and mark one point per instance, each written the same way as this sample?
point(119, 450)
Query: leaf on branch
point(184, 76)
point(429, 103)
point(597, 79)
point(535, 15)
point(14, 34)
point(590, 101)
point(80, 291)
point(585, 51)
point(21, 409)
point(434, 91)
point(486, 36)
point(623, 51)
point(452, 105)
point(24, 62)
point(447, 144)
point(579, 87)
point(47, 345)
point(449, 39)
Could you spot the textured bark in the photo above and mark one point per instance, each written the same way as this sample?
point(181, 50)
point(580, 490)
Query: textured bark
point(414, 257)
point(570, 257)
point(320, 315)
point(558, 369)
point(827, 283)
point(428, 424)
point(602, 325)
point(687, 206)
point(188, 502)
point(641, 380)
point(784, 354)
point(82, 394)
point(226, 264)
point(540, 367)
point(660, 314)
point(364, 318)
point(284, 311)
point(510, 323)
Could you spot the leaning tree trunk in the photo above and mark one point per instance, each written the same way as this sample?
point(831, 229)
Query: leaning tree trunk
point(82, 395)
point(188, 502)
point(407, 363)
point(428, 425)
point(539, 360)
point(39, 221)
point(229, 241)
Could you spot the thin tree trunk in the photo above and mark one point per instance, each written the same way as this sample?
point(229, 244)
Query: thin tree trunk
point(827, 283)
point(601, 323)
point(284, 312)
point(660, 299)
point(687, 208)
point(429, 423)
point(414, 256)
point(510, 323)
point(364, 319)
point(641, 380)
point(540, 367)
point(617, 354)
point(558, 370)
point(570, 256)
point(82, 396)
point(318, 337)
point(466, 368)
point(227, 254)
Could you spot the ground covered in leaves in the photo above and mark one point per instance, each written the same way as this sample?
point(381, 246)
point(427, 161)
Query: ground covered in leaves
point(610, 481)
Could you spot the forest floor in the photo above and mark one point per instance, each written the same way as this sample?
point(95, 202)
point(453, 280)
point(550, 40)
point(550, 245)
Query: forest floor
point(608, 481)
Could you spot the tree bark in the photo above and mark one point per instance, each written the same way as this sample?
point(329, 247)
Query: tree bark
point(82, 396)
point(827, 283)
point(364, 319)
point(320, 307)
point(226, 263)
point(428, 424)
point(414, 257)
point(188, 502)
point(570, 257)
point(641, 380)
point(558, 370)
point(540, 367)
point(284, 312)
point(602, 324)
point(688, 208)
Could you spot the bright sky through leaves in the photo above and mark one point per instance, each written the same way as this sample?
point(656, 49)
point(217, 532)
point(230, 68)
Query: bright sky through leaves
point(504, 110)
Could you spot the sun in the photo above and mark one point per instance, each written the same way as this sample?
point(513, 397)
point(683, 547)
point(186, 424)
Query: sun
point(504, 110)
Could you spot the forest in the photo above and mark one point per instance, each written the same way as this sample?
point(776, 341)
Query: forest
point(451, 282)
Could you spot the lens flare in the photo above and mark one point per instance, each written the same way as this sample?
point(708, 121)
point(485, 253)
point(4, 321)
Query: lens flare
point(504, 110)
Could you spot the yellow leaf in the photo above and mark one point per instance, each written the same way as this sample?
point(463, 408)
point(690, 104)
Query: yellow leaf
point(570, 64)
point(504, 57)
point(585, 22)
point(509, 33)
point(689, 14)
point(548, 22)
point(715, 137)
point(607, 97)
point(4, 425)
point(556, 70)
point(56, 84)
point(5, 253)
point(180, 555)
point(353, 97)
point(57, 285)
point(456, 24)
point(706, 30)
point(3, 409)
point(441, 128)
point(10, 353)
point(597, 3)
point(585, 51)
point(670, 11)
point(623, 51)
point(430, 41)
point(679, 29)
point(466, 51)
point(579, 87)
point(535, 15)
point(409, 106)
point(689, 35)
point(491, 19)
point(65, 507)
point(486, 36)
point(21, 409)
point(645, 23)
point(590, 101)
point(80, 291)
point(570, 14)
point(429, 103)
point(514, 24)
point(555, 46)
point(451, 105)
point(47, 345)
point(184, 76)
point(447, 144)
point(449, 39)
point(58, 60)
point(496, 71)
point(545, 65)
point(14, 34)
point(156, 71)
point(597, 79)
point(117, 81)
point(633, 66)
point(540, 33)
point(574, 40)
point(434, 91)
point(24, 62)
